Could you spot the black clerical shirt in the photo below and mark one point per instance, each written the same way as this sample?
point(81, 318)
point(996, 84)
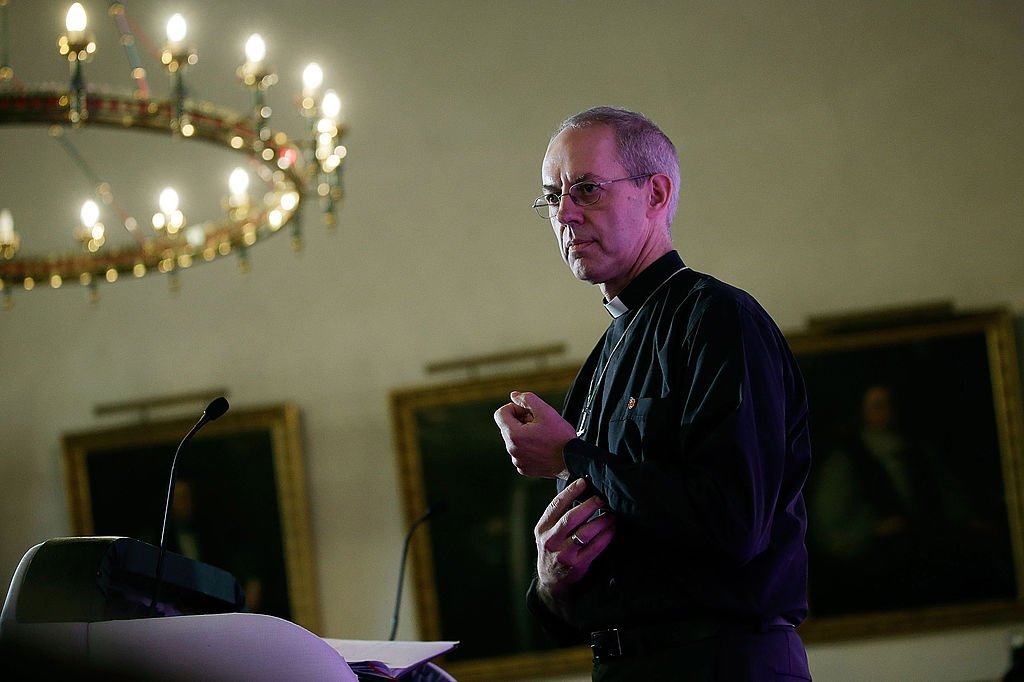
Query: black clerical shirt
point(698, 440)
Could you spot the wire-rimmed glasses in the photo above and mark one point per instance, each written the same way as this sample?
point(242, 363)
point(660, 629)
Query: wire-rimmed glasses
point(583, 193)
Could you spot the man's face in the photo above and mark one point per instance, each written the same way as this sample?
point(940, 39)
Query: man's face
point(878, 410)
point(602, 243)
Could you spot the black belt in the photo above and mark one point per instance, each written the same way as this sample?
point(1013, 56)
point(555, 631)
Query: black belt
point(642, 641)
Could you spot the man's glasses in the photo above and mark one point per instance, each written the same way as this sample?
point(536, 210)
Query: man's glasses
point(584, 193)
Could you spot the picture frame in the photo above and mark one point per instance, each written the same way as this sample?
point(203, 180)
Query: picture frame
point(239, 504)
point(881, 565)
point(471, 565)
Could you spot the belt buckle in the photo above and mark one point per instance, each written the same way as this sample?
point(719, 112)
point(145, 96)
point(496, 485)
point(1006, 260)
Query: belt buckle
point(606, 644)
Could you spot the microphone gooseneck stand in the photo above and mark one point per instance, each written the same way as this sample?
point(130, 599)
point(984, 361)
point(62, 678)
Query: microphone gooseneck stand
point(215, 409)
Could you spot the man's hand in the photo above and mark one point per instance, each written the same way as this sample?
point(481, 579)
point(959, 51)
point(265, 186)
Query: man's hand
point(567, 543)
point(534, 435)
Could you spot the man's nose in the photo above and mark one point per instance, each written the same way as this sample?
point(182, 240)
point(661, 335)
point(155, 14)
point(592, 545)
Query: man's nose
point(568, 210)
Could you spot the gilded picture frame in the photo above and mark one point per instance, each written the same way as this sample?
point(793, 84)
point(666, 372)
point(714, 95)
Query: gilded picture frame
point(941, 548)
point(240, 498)
point(471, 564)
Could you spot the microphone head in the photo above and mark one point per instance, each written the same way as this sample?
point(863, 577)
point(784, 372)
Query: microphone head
point(216, 408)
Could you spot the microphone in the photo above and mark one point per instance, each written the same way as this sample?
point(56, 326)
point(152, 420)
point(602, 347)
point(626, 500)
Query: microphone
point(432, 510)
point(216, 409)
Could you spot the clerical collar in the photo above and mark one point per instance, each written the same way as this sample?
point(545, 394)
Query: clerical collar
point(637, 291)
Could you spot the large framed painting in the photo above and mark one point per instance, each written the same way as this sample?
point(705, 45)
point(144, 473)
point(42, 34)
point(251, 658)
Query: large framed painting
point(472, 564)
point(914, 497)
point(239, 503)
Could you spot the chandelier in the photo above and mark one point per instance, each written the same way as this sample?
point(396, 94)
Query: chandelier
point(108, 244)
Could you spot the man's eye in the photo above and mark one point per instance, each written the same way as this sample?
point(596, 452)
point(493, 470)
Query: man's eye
point(586, 190)
point(551, 198)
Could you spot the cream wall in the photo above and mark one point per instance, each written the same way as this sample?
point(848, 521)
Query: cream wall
point(836, 156)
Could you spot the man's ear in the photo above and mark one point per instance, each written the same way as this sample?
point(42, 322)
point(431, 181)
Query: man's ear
point(660, 194)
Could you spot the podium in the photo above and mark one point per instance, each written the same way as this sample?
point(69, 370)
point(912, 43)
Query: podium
point(80, 607)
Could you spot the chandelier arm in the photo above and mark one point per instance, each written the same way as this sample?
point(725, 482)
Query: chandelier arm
point(107, 197)
point(124, 26)
point(134, 28)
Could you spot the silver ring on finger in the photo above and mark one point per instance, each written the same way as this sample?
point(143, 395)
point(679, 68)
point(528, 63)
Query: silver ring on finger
point(577, 540)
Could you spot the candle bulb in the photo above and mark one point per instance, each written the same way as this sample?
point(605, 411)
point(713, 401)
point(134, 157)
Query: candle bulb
point(9, 239)
point(76, 20)
point(6, 227)
point(90, 213)
point(176, 30)
point(330, 107)
point(170, 216)
point(238, 187)
point(92, 232)
point(238, 183)
point(255, 49)
point(168, 201)
point(312, 79)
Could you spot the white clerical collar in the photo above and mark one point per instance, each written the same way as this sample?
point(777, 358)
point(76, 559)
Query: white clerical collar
point(616, 308)
point(641, 287)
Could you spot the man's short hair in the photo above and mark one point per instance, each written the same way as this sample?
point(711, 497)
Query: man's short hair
point(641, 144)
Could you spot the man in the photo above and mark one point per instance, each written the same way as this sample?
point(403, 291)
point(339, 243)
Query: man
point(675, 546)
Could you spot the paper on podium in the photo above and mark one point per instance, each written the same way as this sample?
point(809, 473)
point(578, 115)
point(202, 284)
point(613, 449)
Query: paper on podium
point(388, 660)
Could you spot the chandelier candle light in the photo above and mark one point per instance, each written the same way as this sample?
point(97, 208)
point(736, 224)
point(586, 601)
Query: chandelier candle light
point(289, 170)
